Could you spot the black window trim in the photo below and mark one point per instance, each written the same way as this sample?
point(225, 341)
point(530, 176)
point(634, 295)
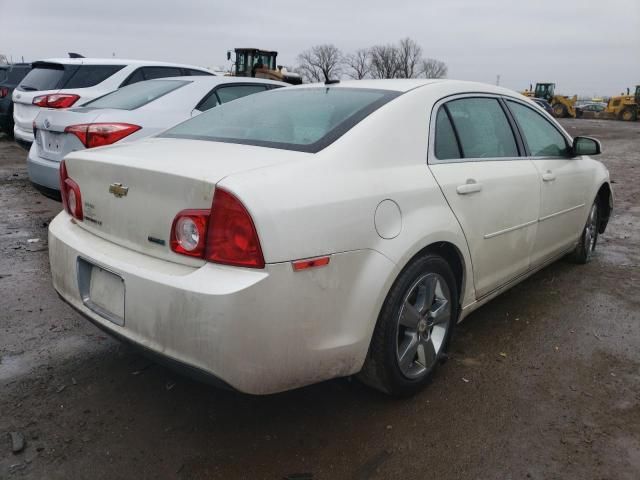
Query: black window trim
point(568, 140)
point(431, 151)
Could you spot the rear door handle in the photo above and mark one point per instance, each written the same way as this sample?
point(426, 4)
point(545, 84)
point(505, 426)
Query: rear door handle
point(548, 176)
point(470, 187)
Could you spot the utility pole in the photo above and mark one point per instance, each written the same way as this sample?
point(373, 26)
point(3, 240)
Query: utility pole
point(498, 80)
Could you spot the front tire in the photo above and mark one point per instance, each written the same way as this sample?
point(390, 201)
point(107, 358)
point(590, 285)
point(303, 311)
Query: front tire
point(559, 110)
point(587, 245)
point(413, 329)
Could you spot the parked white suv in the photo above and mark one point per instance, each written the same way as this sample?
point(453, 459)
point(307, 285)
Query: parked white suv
point(66, 82)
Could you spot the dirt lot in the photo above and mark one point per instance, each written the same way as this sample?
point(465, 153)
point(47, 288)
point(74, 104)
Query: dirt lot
point(543, 382)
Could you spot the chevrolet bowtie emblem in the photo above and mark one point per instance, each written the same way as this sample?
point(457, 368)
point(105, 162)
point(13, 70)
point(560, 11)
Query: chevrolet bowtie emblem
point(118, 189)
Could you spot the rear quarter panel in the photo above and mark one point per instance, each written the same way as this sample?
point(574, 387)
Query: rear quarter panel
point(326, 202)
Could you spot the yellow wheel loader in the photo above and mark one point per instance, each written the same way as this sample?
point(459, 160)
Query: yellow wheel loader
point(253, 62)
point(624, 107)
point(562, 105)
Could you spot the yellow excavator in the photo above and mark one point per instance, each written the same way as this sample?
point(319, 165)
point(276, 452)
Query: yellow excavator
point(562, 105)
point(254, 62)
point(624, 107)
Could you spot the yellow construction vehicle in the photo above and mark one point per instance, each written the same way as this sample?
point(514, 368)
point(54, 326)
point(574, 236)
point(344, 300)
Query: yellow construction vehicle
point(253, 62)
point(624, 107)
point(562, 105)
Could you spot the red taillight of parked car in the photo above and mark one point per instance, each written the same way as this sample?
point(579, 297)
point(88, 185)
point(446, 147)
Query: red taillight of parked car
point(4, 92)
point(56, 100)
point(230, 236)
point(98, 134)
point(70, 193)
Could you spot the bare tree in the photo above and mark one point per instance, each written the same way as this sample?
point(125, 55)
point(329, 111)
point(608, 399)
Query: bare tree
point(409, 58)
point(432, 68)
point(320, 63)
point(384, 61)
point(358, 64)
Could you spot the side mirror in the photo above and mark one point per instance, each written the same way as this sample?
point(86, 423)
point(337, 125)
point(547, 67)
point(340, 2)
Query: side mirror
point(585, 146)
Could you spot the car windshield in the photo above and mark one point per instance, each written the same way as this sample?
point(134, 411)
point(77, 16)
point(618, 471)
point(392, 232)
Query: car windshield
point(136, 95)
point(306, 119)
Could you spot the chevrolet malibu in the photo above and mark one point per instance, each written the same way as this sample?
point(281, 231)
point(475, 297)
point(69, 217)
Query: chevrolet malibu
point(321, 231)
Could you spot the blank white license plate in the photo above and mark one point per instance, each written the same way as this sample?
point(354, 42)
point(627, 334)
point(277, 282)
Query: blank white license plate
point(102, 291)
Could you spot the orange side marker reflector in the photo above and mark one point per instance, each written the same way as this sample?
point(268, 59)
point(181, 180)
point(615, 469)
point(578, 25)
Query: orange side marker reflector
point(310, 263)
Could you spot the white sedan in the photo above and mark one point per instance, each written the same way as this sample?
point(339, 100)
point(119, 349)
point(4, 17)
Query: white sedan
point(322, 231)
point(130, 113)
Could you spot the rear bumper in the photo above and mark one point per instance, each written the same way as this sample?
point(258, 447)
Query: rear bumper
point(23, 136)
point(42, 172)
point(259, 331)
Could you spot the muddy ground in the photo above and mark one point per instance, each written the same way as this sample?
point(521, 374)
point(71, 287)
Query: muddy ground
point(543, 382)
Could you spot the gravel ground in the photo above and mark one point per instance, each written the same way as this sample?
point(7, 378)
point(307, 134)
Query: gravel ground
point(543, 382)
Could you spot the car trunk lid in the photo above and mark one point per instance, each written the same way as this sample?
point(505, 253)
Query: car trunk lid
point(132, 193)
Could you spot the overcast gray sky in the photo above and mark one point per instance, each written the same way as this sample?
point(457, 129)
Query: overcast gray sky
point(584, 46)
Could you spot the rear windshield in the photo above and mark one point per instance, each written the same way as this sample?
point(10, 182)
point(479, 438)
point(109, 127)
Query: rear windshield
point(3, 73)
point(305, 120)
point(136, 95)
point(54, 76)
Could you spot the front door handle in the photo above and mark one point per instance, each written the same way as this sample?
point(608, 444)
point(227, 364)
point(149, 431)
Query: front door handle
point(470, 187)
point(548, 176)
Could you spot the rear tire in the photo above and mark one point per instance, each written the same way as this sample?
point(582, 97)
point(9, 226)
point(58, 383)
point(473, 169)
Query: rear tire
point(413, 329)
point(628, 114)
point(559, 110)
point(587, 245)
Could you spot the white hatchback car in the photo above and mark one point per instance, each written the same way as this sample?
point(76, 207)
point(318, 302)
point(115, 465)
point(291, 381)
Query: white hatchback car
point(320, 231)
point(128, 114)
point(65, 82)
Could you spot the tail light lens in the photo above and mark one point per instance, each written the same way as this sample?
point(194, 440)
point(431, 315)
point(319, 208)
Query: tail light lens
point(56, 100)
point(70, 193)
point(4, 92)
point(225, 234)
point(98, 134)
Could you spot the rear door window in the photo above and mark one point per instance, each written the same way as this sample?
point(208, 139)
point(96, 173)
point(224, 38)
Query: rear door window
point(227, 94)
point(91, 75)
point(196, 73)
point(542, 138)
point(137, 95)
point(446, 144)
point(483, 128)
point(224, 94)
point(151, 73)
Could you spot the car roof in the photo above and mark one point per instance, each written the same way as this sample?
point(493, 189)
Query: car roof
point(215, 80)
point(406, 84)
point(116, 61)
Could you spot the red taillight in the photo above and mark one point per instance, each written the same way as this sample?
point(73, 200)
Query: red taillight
point(189, 232)
point(4, 92)
point(56, 100)
point(99, 134)
point(70, 193)
point(230, 236)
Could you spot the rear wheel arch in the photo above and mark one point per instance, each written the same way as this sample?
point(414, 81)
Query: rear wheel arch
point(451, 254)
